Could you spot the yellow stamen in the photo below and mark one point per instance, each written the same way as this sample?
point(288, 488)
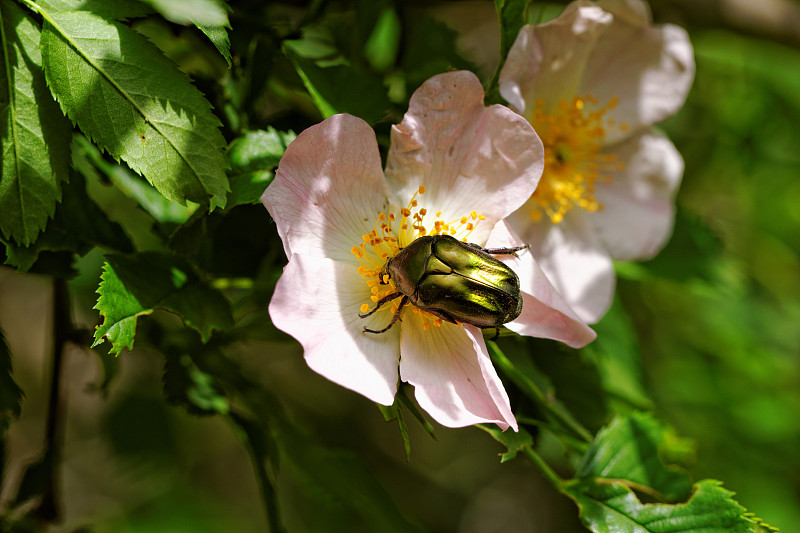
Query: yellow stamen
point(572, 135)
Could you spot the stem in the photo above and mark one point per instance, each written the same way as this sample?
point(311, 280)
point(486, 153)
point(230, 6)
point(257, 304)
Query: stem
point(540, 463)
point(49, 508)
point(532, 390)
point(268, 495)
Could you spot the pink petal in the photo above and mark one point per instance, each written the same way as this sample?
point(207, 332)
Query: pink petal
point(545, 313)
point(317, 302)
point(573, 259)
point(638, 205)
point(649, 69)
point(329, 188)
point(468, 157)
point(547, 61)
point(453, 377)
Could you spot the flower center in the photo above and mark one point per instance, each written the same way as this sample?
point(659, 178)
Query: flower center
point(391, 235)
point(572, 134)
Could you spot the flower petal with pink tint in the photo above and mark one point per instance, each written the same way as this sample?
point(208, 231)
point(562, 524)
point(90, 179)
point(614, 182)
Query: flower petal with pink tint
point(466, 155)
point(317, 302)
point(328, 188)
point(453, 377)
point(547, 61)
point(639, 204)
point(545, 313)
point(575, 262)
point(647, 69)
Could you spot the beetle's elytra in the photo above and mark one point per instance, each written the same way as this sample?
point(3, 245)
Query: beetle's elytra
point(453, 280)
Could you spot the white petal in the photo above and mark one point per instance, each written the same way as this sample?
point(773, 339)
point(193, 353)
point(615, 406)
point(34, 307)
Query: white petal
point(329, 188)
point(317, 302)
point(468, 157)
point(453, 377)
point(547, 61)
point(638, 204)
point(633, 12)
point(545, 313)
point(574, 260)
point(649, 69)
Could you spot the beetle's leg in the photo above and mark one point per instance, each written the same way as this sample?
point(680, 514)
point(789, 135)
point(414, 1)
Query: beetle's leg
point(496, 334)
point(396, 316)
point(504, 251)
point(387, 298)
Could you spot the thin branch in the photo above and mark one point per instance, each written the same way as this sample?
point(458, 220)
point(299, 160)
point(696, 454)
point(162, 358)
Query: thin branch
point(49, 509)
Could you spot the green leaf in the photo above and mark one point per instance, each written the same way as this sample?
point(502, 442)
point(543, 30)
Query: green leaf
point(133, 286)
point(132, 185)
point(395, 412)
point(258, 150)
point(384, 42)
point(187, 385)
point(200, 12)
point(132, 101)
point(78, 226)
point(417, 60)
point(252, 157)
point(34, 137)
point(118, 9)
point(341, 89)
point(512, 15)
point(608, 507)
point(514, 442)
point(210, 16)
point(218, 35)
point(633, 449)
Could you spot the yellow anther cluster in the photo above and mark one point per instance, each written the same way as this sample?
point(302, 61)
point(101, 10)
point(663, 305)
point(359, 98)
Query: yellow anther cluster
point(573, 135)
point(385, 241)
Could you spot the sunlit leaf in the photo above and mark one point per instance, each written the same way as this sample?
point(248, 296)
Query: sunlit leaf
point(118, 9)
point(205, 12)
point(131, 100)
point(35, 135)
point(633, 448)
point(611, 506)
point(133, 286)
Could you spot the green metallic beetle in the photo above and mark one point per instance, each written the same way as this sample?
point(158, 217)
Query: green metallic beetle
point(453, 280)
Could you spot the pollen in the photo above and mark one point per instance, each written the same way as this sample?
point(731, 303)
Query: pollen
point(390, 234)
point(572, 134)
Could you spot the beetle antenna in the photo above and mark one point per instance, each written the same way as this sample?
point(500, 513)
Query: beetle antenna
point(395, 318)
point(387, 298)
